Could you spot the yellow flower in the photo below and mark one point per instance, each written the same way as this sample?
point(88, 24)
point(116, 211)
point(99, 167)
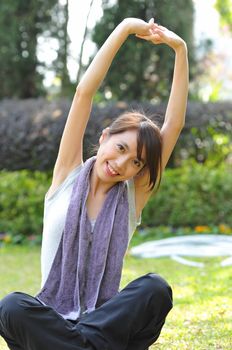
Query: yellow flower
point(224, 229)
point(7, 239)
point(202, 229)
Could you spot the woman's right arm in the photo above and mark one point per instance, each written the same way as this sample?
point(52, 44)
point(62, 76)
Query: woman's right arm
point(70, 150)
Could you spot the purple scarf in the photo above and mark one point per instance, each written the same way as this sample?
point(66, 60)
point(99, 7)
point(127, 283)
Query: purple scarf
point(86, 271)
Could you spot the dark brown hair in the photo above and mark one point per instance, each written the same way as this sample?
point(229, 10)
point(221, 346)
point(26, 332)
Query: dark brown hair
point(148, 136)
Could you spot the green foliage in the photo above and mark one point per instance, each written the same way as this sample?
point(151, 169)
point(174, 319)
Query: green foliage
point(192, 195)
point(21, 202)
point(59, 31)
point(21, 71)
point(36, 127)
point(18, 43)
point(224, 8)
point(141, 71)
point(211, 144)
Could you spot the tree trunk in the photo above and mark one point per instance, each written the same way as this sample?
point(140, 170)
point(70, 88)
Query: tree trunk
point(82, 43)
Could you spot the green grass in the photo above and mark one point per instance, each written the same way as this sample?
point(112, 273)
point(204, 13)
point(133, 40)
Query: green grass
point(202, 315)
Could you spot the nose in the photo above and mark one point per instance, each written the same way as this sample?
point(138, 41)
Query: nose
point(120, 163)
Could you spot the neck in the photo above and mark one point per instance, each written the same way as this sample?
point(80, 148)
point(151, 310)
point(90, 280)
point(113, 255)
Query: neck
point(97, 186)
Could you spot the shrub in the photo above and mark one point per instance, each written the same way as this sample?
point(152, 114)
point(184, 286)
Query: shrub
point(192, 195)
point(21, 201)
point(30, 131)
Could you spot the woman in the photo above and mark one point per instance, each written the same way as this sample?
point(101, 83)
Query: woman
point(91, 211)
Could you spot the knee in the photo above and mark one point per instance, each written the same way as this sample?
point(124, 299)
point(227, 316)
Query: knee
point(159, 283)
point(158, 288)
point(10, 307)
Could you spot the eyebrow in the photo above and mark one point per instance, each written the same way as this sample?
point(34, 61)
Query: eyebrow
point(128, 148)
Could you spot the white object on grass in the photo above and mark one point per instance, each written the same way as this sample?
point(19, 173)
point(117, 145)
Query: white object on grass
point(187, 262)
point(191, 246)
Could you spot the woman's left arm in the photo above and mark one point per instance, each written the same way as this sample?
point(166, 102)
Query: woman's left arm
point(176, 108)
point(175, 114)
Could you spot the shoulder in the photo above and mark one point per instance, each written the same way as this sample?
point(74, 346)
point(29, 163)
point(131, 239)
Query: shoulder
point(66, 178)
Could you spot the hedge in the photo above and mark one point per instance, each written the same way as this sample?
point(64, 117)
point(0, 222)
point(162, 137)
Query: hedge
point(21, 201)
point(190, 195)
point(30, 131)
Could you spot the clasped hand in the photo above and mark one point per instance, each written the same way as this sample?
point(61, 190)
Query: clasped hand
point(154, 33)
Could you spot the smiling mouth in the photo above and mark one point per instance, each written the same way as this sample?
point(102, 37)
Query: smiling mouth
point(110, 170)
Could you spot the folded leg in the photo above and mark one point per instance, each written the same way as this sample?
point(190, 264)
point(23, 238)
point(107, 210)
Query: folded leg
point(26, 324)
point(131, 320)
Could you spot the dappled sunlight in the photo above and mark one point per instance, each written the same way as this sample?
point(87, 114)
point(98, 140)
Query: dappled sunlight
point(3, 345)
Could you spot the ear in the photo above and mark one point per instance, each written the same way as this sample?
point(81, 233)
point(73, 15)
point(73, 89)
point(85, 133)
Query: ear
point(104, 135)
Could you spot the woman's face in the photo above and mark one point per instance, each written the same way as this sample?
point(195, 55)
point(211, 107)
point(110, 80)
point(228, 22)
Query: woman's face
point(117, 157)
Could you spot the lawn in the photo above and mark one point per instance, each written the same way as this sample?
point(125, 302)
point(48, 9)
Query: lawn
point(202, 315)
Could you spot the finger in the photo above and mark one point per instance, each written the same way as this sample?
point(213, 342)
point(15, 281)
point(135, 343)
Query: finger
point(151, 23)
point(161, 27)
point(158, 32)
point(152, 36)
point(154, 26)
point(156, 39)
point(144, 37)
point(155, 36)
point(158, 28)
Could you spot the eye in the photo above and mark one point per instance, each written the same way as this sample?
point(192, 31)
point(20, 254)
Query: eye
point(137, 163)
point(120, 147)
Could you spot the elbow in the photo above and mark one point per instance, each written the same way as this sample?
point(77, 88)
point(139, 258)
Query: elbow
point(179, 128)
point(180, 125)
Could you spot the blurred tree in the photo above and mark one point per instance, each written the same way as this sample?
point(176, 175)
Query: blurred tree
point(22, 23)
point(224, 8)
point(79, 72)
point(142, 71)
point(59, 30)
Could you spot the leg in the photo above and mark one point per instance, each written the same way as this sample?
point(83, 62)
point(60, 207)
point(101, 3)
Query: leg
point(26, 324)
point(133, 319)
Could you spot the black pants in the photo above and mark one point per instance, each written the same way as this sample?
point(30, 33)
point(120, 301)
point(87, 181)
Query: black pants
point(131, 320)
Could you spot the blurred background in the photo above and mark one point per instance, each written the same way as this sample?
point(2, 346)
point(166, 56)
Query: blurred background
point(45, 48)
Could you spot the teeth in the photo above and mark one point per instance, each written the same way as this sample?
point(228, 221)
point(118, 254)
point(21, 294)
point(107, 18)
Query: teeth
point(112, 170)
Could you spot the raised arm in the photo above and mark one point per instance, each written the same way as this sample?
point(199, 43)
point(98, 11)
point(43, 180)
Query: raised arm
point(175, 114)
point(176, 108)
point(70, 150)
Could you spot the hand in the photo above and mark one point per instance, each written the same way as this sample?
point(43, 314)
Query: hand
point(138, 26)
point(161, 35)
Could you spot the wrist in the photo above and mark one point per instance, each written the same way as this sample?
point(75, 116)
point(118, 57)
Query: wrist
point(181, 48)
point(127, 26)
